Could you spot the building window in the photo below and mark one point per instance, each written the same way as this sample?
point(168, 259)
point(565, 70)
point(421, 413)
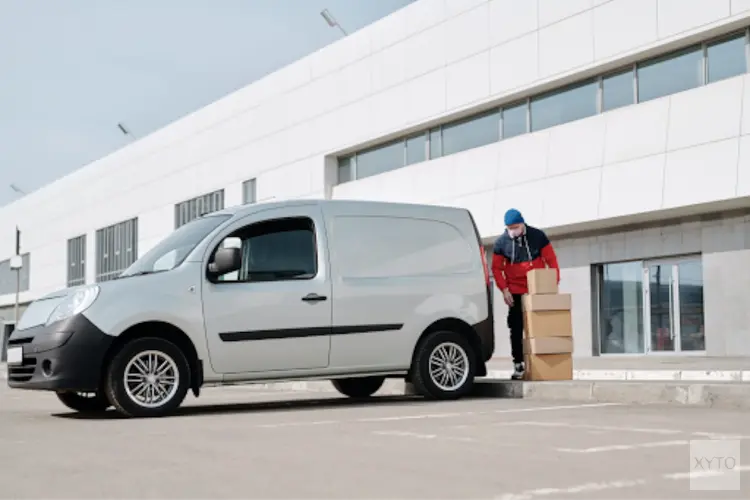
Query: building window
point(381, 159)
point(726, 58)
point(563, 106)
point(116, 249)
point(77, 261)
point(196, 207)
point(436, 144)
point(345, 169)
point(471, 133)
point(707, 62)
point(249, 191)
point(515, 120)
point(652, 306)
point(670, 74)
point(9, 277)
point(618, 90)
point(416, 148)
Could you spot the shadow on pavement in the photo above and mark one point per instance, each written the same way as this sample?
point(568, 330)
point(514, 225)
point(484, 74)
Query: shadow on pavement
point(257, 407)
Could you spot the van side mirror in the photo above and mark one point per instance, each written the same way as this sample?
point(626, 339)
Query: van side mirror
point(226, 260)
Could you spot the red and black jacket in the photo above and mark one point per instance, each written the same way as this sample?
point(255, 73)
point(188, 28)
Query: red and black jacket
point(512, 258)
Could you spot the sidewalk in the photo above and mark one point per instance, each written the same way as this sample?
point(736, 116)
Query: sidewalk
point(647, 368)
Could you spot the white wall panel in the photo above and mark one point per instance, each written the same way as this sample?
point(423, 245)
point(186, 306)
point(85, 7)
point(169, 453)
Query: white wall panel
point(425, 51)
point(676, 16)
point(743, 168)
point(740, 6)
point(701, 174)
point(636, 131)
point(514, 63)
point(475, 170)
point(566, 45)
point(527, 198)
point(552, 11)
point(475, 21)
point(577, 146)
point(570, 198)
point(468, 81)
point(632, 186)
point(425, 96)
point(523, 158)
point(510, 19)
point(622, 25)
point(157, 222)
point(706, 114)
point(457, 7)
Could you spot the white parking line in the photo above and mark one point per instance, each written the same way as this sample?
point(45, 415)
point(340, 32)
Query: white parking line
point(705, 473)
point(418, 435)
point(580, 488)
point(625, 447)
point(425, 416)
point(593, 427)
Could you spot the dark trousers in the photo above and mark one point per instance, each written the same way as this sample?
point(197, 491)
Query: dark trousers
point(515, 324)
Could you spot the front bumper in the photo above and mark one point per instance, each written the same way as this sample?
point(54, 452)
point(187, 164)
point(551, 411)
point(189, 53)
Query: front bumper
point(66, 355)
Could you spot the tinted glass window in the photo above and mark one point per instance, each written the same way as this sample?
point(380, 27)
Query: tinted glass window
point(567, 105)
point(726, 59)
point(345, 170)
point(416, 149)
point(669, 75)
point(381, 159)
point(249, 191)
point(436, 147)
point(276, 250)
point(471, 133)
point(618, 90)
point(514, 121)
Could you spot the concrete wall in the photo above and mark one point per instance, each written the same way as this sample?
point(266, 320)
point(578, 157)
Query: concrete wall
point(724, 244)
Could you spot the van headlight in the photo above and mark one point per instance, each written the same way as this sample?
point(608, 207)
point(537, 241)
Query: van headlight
point(74, 303)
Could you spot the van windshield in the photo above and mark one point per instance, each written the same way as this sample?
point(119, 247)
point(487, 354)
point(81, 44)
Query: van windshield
point(172, 250)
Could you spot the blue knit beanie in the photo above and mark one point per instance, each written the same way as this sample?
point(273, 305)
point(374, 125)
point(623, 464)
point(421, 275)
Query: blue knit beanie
point(513, 216)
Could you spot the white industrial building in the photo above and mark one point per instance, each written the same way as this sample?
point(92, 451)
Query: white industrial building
point(618, 126)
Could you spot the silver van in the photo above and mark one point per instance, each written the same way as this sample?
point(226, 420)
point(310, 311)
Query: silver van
point(351, 291)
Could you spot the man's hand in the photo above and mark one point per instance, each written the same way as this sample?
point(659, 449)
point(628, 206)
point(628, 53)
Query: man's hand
point(508, 297)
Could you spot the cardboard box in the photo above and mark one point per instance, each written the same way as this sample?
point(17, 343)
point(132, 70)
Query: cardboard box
point(542, 281)
point(548, 345)
point(548, 324)
point(556, 302)
point(546, 367)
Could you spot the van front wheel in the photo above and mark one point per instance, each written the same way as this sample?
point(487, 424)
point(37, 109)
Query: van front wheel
point(362, 387)
point(148, 377)
point(444, 366)
point(84, 402)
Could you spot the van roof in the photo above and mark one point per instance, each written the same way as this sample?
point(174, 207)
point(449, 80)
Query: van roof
point(255, 207)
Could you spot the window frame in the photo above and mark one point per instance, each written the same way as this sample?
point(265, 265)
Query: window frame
point(316, 252)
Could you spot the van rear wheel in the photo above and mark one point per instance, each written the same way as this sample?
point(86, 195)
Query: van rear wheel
point(83, 402)
point(362, 387)
point(444, 366)
point(148, 377)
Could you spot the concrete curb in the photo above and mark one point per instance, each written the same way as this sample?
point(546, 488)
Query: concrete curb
point(719, 389)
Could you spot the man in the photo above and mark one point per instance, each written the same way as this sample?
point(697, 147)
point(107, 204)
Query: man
point(518, 250)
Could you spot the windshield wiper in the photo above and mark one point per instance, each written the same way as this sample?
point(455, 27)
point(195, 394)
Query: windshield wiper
point(140, 273)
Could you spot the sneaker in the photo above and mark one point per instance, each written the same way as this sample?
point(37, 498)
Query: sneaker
point(518, 372)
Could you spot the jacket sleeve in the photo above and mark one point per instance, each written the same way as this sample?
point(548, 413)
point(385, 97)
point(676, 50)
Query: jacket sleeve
point(498, 268)
point(550, 258)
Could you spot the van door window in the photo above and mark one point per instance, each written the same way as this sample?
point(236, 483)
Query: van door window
point(275, 250)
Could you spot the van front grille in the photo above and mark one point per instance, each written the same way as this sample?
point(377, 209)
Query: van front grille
point(23, 372)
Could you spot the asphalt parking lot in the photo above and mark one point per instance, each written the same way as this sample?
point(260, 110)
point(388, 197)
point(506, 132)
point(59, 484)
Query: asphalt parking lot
point(249, 443)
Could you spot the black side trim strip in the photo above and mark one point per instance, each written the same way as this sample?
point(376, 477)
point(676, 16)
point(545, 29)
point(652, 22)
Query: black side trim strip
point(291, 333)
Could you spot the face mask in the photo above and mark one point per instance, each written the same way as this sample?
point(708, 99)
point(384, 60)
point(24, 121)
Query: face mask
point(515, 233)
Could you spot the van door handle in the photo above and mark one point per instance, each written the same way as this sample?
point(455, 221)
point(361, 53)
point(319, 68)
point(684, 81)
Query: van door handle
point(314, 297)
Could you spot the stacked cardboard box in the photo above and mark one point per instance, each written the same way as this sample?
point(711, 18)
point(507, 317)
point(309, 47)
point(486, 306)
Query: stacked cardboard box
point(548, 328)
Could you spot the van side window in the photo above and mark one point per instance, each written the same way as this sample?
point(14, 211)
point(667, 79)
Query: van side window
point(275, 250)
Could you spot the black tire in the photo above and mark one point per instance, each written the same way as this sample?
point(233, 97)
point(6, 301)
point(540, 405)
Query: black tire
point(363, 387)
point(423, 382)
point(96, 403)
point(115, 388)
